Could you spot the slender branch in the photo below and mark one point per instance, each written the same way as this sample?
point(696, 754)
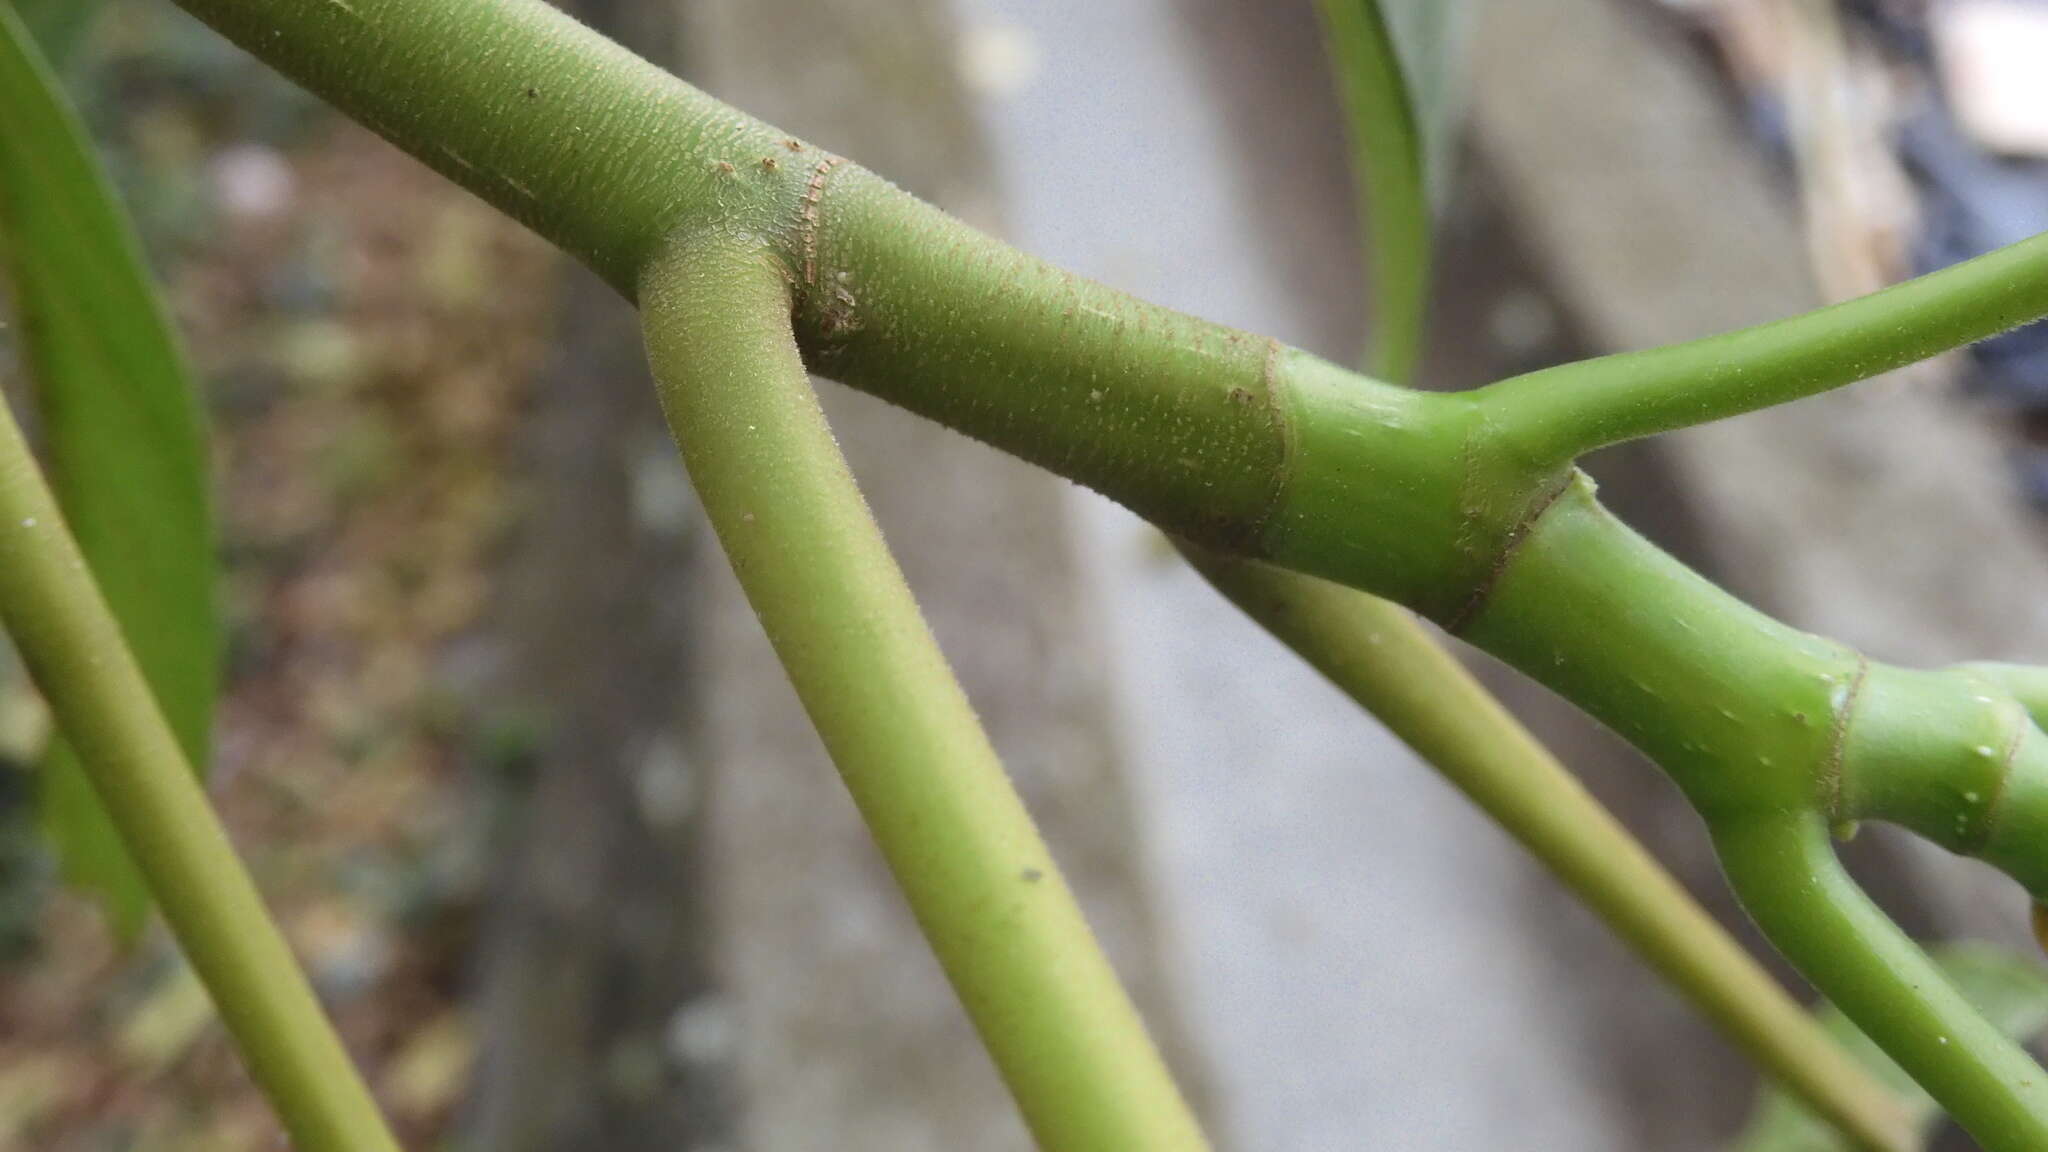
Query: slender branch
point(122, 435)
point(1377, 654)
point(834, 605)
point(74, 650)
point(1561, 413)
point(1786, 872)
point(1388, 164)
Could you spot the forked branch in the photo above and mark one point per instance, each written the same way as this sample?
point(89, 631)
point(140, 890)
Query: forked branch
point(1375, 653)
point(1786, 872)
point(1462, 507)
point(834, 605)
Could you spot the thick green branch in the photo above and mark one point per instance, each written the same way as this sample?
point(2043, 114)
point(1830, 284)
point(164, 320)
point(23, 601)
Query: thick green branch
point(566, 131)
point(1221, 436)
point(1737, 707)
point(813, 565)
point(1749, 715)
point(74, 650)
point(1564, 412)
point(1232, 440)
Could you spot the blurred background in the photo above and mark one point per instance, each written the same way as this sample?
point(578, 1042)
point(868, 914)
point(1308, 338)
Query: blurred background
point(520, 778)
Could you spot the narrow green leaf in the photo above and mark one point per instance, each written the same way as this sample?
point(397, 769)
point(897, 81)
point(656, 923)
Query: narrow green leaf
point(1429, 41)
point(2011, 991)
point(59, 26)
point(1397, 65)
point(123, 436)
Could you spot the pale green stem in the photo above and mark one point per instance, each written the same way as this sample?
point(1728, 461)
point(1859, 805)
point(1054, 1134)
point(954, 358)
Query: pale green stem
point(1563, 412)
point(814, 566)
point(1379, 656)
point(74, 650)
point(1785, 869)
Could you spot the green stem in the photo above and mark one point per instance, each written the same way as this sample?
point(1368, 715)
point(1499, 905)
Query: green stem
point(1768, 731)
point(1953, 755)
point(1226, 438)
point(1384, 658)
point(1785, 869)
point(2027, 683)
point(73, 648)
point(1379, 656)
point(1563, 412)
point(834, 605)
point(1747, 714)
point(1462, 507)
point(123, 436)
point(559, 127)
point(1388, 165)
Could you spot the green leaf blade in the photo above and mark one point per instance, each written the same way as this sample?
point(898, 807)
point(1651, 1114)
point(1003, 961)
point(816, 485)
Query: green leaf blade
point(1397, 67)
point(1429, 42)
point(59, 26)
point(123, 435)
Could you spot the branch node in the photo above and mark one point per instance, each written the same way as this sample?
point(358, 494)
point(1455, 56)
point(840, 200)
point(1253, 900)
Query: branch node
point(1483, 592)
point(1271, 397)
point(1987, 818)
point(1838, 740)
point(808, 213)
